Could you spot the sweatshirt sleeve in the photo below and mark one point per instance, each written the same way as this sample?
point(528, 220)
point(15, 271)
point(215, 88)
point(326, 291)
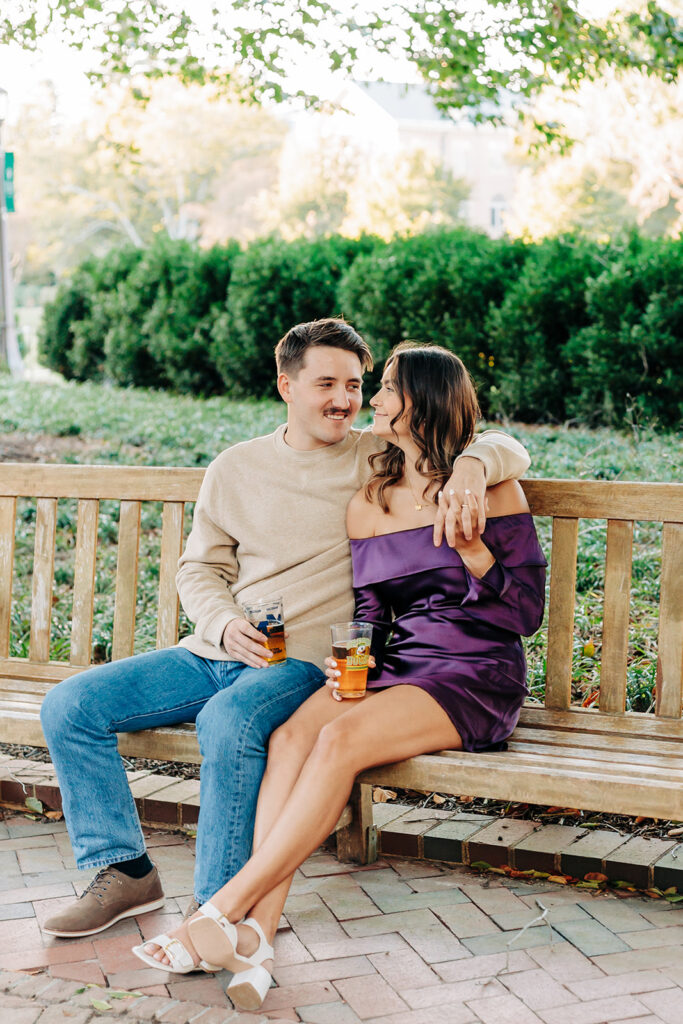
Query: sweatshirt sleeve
point(369, 607)
point(504, 458)
point(208, 567)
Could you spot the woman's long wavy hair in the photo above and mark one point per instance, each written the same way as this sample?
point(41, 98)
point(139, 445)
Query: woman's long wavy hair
point(442, 419)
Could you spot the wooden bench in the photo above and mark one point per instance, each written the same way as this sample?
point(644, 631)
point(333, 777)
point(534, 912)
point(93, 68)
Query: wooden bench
point(600, 759)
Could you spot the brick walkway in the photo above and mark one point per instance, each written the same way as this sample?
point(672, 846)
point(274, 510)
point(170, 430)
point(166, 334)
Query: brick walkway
point(399, 942)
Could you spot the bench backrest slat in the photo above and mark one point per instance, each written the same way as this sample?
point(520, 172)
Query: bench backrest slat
point(616, 615)
point(171, 549)
point(123, 638)
point(43, 576)
point(84, 582)
point(8, 514)
point(670, 643)
point(561, 613)
point(602, 499)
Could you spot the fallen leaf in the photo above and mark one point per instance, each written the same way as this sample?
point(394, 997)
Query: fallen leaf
point(100, 1004)
point(673, 832)
point(560, 879)
point(465, 799)
point(54, 815)
point(436, 798)
point(595, 876)
point(33, 804)
point(589, 648)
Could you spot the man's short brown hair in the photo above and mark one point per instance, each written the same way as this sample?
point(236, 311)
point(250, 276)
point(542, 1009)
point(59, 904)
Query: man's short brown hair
point(331, 331)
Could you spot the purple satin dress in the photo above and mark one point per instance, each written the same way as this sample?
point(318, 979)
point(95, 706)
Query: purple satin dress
point(453, 635)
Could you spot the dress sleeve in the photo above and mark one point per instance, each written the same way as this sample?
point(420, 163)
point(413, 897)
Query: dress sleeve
point(511, 595)
point(370, 607)
point(510, 598)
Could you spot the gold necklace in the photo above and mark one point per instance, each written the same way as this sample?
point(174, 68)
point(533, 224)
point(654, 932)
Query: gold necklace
point(418, 502)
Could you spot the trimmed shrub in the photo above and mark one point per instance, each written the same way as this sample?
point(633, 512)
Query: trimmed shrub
point(528, 333)
point(71, 304)
point(434, 287)
point(178, 325)
point(87, 354)
point(274, 285)
point(626, 364)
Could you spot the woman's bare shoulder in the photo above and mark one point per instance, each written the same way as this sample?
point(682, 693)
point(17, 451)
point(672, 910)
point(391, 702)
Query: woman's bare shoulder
point(361, 516)
point(506, 499)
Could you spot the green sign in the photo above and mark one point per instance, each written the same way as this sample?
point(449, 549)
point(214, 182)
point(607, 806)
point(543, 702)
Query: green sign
point(8, 182)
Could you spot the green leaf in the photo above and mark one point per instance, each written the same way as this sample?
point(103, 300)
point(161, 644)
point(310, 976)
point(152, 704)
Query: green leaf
point(34, 804)
point(100, 1004)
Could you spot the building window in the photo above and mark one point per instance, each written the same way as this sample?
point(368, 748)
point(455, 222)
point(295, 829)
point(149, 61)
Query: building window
point(497, 213)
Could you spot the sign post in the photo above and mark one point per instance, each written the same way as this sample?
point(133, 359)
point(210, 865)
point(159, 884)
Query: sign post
point(9, 348)
point(8, 182)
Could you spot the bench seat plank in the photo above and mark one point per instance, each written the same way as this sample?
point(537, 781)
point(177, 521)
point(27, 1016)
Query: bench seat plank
point(561, 783)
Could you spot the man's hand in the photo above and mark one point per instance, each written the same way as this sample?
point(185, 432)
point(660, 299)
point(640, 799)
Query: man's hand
point(243, 642)
point(462, 503)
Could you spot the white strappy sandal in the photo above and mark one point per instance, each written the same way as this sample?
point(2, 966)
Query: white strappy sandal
point(248, 988)
point(181, 960)
point(212, 930)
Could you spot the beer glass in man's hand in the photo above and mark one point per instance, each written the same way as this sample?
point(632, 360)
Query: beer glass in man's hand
point(268, 617)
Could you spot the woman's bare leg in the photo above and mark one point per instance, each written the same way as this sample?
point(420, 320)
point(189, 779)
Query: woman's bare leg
point(396, 723)
point(288, 749)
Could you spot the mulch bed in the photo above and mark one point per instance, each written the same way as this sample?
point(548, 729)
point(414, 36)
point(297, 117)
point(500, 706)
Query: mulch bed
point(649, 827)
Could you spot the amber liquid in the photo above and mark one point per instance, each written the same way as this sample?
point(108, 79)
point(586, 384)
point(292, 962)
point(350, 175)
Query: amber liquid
point(274, 640)
point(352, 662)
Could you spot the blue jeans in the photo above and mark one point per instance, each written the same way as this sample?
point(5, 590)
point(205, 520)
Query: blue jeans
point(236, 709)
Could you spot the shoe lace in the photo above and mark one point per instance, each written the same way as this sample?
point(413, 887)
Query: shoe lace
point(100, 883)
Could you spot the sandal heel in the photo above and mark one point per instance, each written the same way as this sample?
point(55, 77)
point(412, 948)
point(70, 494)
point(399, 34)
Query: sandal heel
point(249, 988)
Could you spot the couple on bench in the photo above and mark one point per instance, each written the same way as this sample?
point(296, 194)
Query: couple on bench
point(446, 566)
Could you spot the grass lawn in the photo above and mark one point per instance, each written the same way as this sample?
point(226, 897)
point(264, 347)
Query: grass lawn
point(86, 423)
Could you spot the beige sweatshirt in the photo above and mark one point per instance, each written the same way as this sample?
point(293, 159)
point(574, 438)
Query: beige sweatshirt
point(271, 520)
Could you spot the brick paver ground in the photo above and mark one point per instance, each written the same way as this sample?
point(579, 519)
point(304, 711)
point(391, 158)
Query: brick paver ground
point(398, 942)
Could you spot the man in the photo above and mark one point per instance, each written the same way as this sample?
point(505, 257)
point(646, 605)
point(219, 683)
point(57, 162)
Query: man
point(269, 520)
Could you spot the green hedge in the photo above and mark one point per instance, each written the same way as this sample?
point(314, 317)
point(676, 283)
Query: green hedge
point(566, 329)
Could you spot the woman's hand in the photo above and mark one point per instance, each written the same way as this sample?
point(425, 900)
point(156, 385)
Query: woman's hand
point(333, 674)
point(474, 553)
point(462, 503)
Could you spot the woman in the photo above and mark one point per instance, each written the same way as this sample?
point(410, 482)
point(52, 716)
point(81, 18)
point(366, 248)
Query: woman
point(450, 670)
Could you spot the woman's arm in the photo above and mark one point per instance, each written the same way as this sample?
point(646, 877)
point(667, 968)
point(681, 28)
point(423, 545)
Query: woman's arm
point(503, 592)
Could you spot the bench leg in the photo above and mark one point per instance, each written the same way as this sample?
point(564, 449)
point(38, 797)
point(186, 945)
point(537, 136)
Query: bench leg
point(356, 840)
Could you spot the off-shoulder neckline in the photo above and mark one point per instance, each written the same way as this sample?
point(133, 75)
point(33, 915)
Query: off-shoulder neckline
point(430, 526)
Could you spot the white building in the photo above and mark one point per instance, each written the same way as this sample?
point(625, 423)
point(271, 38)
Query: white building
point(383, 119)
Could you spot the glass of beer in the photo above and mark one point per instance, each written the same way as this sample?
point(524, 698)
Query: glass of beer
point(267, 615)
point(351, 650)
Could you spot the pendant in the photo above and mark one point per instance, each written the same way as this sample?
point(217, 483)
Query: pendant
point(418, 508)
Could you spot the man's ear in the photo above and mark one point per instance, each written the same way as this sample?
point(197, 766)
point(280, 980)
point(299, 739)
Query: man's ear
point(283, 386)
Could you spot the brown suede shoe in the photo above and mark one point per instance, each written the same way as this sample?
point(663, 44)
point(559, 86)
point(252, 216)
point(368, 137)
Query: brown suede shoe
point(110, 897)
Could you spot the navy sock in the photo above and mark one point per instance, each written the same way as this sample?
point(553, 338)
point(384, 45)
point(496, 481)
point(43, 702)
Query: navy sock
point(137, 868)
